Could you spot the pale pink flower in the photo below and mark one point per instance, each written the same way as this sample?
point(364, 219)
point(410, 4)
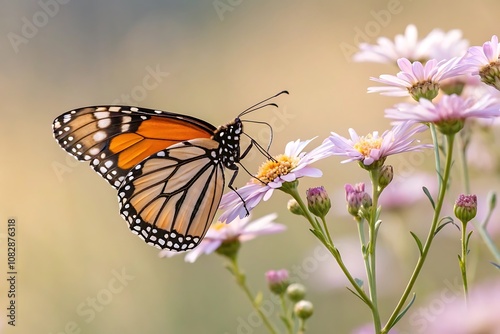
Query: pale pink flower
point(483, 61)
point(287, 167)
point(436, 45)
point(374, 147)
point(448, 108)
point(417, 80)
point(477, 57)
point(242, 230)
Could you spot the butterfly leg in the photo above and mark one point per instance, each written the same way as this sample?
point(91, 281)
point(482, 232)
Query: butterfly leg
point(230, 186)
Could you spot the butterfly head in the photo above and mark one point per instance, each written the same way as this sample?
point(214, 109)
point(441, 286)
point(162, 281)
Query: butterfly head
point(228, 137)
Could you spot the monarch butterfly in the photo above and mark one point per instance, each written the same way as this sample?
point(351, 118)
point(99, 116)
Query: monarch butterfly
point(168, 168)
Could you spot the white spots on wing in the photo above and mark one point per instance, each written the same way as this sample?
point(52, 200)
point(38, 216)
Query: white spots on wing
point(66, 128)
point(134, 109)
point(78, 146)
point(57, 124)
point(103, 155)
point(114, 108)
point(108, 164)
point(99, 136)
point(86, 157)
point(101, 114)
point(158, 111)
point(117, 183)
point(125, 127)
point(66, 118)
point(70, 138)
point(104, 123)
point(160, 154)
point(95, 162)
point(144, 118)
point(103, 170)
point(94, 151)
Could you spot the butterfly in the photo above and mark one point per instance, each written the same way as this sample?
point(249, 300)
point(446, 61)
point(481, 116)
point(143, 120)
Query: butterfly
point(168, 168)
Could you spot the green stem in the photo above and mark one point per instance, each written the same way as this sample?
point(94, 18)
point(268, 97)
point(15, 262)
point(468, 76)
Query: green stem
point(481, 228)
point(292, 191)
point(463, 261)
point(372, 235)
point(302, 326)
point(488, 241)
point(241, 280)
point(437, 157)
point(286, 319)
point(361, 233)
point(325, 226)
point(430, 237)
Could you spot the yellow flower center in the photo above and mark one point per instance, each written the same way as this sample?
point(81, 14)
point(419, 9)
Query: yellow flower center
point(271, 169)
point(218, 226)
point(368, 143)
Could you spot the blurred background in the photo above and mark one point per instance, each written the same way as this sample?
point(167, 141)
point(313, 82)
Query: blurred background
point(210, 59)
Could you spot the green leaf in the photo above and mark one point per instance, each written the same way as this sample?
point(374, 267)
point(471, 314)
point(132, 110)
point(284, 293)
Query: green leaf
point(428, 194)
point(400, 315)
point(442, 224)
point(467, 241)
point(419, 243)
point(356, 294)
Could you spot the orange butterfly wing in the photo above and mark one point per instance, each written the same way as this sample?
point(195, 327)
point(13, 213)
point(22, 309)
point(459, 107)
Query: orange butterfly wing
point(116, 138)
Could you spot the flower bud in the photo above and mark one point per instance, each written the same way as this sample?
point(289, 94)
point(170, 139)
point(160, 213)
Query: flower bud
point(318, 201)
point(303, 309)
point(294, 207)
point(466, 208)
point(385, 176)
point(277, 281)
point(296, 292)
point(357, 198)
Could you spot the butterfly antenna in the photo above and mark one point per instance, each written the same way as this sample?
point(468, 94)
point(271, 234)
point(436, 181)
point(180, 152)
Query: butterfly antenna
point(271, 137)
point(259, 105)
